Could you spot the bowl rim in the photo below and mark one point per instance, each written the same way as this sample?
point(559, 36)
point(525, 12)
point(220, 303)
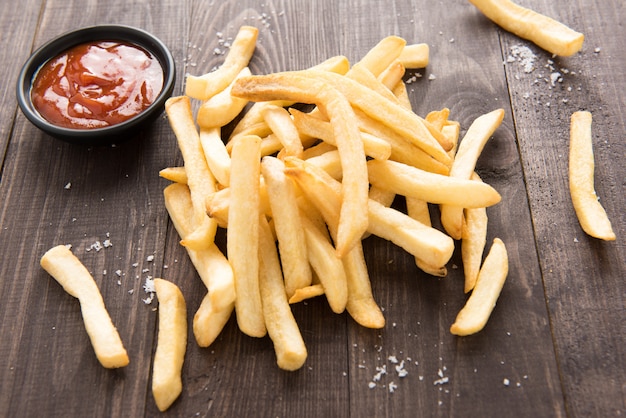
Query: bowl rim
point(67, 40)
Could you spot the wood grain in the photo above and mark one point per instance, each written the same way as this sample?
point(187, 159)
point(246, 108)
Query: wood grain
point(554, 345)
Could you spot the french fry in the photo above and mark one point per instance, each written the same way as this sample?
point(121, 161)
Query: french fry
point(324, 192)
point(67, 269)
point(292, 242)
point(589, 211)
point(418, 210)
point(212, 266)
point(279, 121)
point(547, 33)
point(392, 75)
point(209, 322)
point(175, 174)
point(301, 88)
point(475, 314)
point(464, 164)
point(305, 293)
point(329, 268)
point(473, 241)
point(216, 155)
point(281, 326)
point(379, 57)
point(415, 56)
point(243, 234)
point(169, 356)
point(199, 179)
point(206, 86)
point(314, 127)
point(254, 115)
point(222, 108)
point(434, 188)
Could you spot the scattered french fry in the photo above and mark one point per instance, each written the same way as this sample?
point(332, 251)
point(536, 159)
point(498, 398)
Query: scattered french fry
point(549, 34)
point(474, 315)
point(169, 356)
point(222, 108)
point(67, 269)
point(589, 211)
point(473, 241)
point(208, 85)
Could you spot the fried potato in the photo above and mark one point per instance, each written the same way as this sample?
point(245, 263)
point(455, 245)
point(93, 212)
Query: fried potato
point(199, 179)
point(589, 211)
point(415, 56)
point(281, 326)
point(418, 210)
point(209, 322)
point(208, 85)
point(475, 314)
point(305, 293)
point(169, 356)
point(243, 234)
point(314, 127)
point(216, 155)
point(175, 174)
point(329, 268)
point(301, 88)
point(281, 124)
point(379, 57)
point(473, 241)
point(222, 108)
point(212, 266)
point(433, 188)
point(464, 164)
point(67, 269)
point(292, 242)
point(549, 34)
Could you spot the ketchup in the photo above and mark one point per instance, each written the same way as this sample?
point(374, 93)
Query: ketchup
point(96, 84)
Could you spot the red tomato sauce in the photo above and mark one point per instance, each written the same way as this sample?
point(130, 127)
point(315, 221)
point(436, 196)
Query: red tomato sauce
point(96, 84)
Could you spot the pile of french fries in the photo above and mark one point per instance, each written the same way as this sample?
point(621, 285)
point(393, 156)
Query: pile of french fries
point(297, 191)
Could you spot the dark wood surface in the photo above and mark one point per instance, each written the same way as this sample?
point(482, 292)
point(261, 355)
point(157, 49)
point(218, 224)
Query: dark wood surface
point(557, 334)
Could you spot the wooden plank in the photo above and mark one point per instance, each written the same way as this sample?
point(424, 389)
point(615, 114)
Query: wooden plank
point(16, 41)
point(583, 277)
point(62, 194)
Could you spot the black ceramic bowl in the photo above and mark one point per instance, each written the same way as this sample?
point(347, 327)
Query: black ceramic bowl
point(110, 134)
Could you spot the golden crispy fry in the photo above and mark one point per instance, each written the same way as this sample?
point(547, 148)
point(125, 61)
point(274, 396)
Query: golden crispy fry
point(363, 76)
point(175, 174)
point(473, 241)
point(238, 57)
point(305, 293)
point(378, 58)
point(428, 244)
point(474, 315)
point(199, 179)
point(243, 234)
point(549, 34)
point(327, 265)
point(209, 322)
point(392, 75)
point(301, 88)
point(465, 162)
point(434, 188)
point(292, 243)
point(324, 192)
point(415, 56)
point(438, 118)
point(281, 124)
point(67, 269)
point(402, 150)
point(222, 108)
point(418, 210)
point(312, 126)
point(591, 215)
point(216, 155)
point(282, 328)
point(212, 266)
point(393, 115)
point(169, 356)
point(253, 116)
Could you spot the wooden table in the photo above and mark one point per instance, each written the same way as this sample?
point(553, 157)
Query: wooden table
point(554, 345)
